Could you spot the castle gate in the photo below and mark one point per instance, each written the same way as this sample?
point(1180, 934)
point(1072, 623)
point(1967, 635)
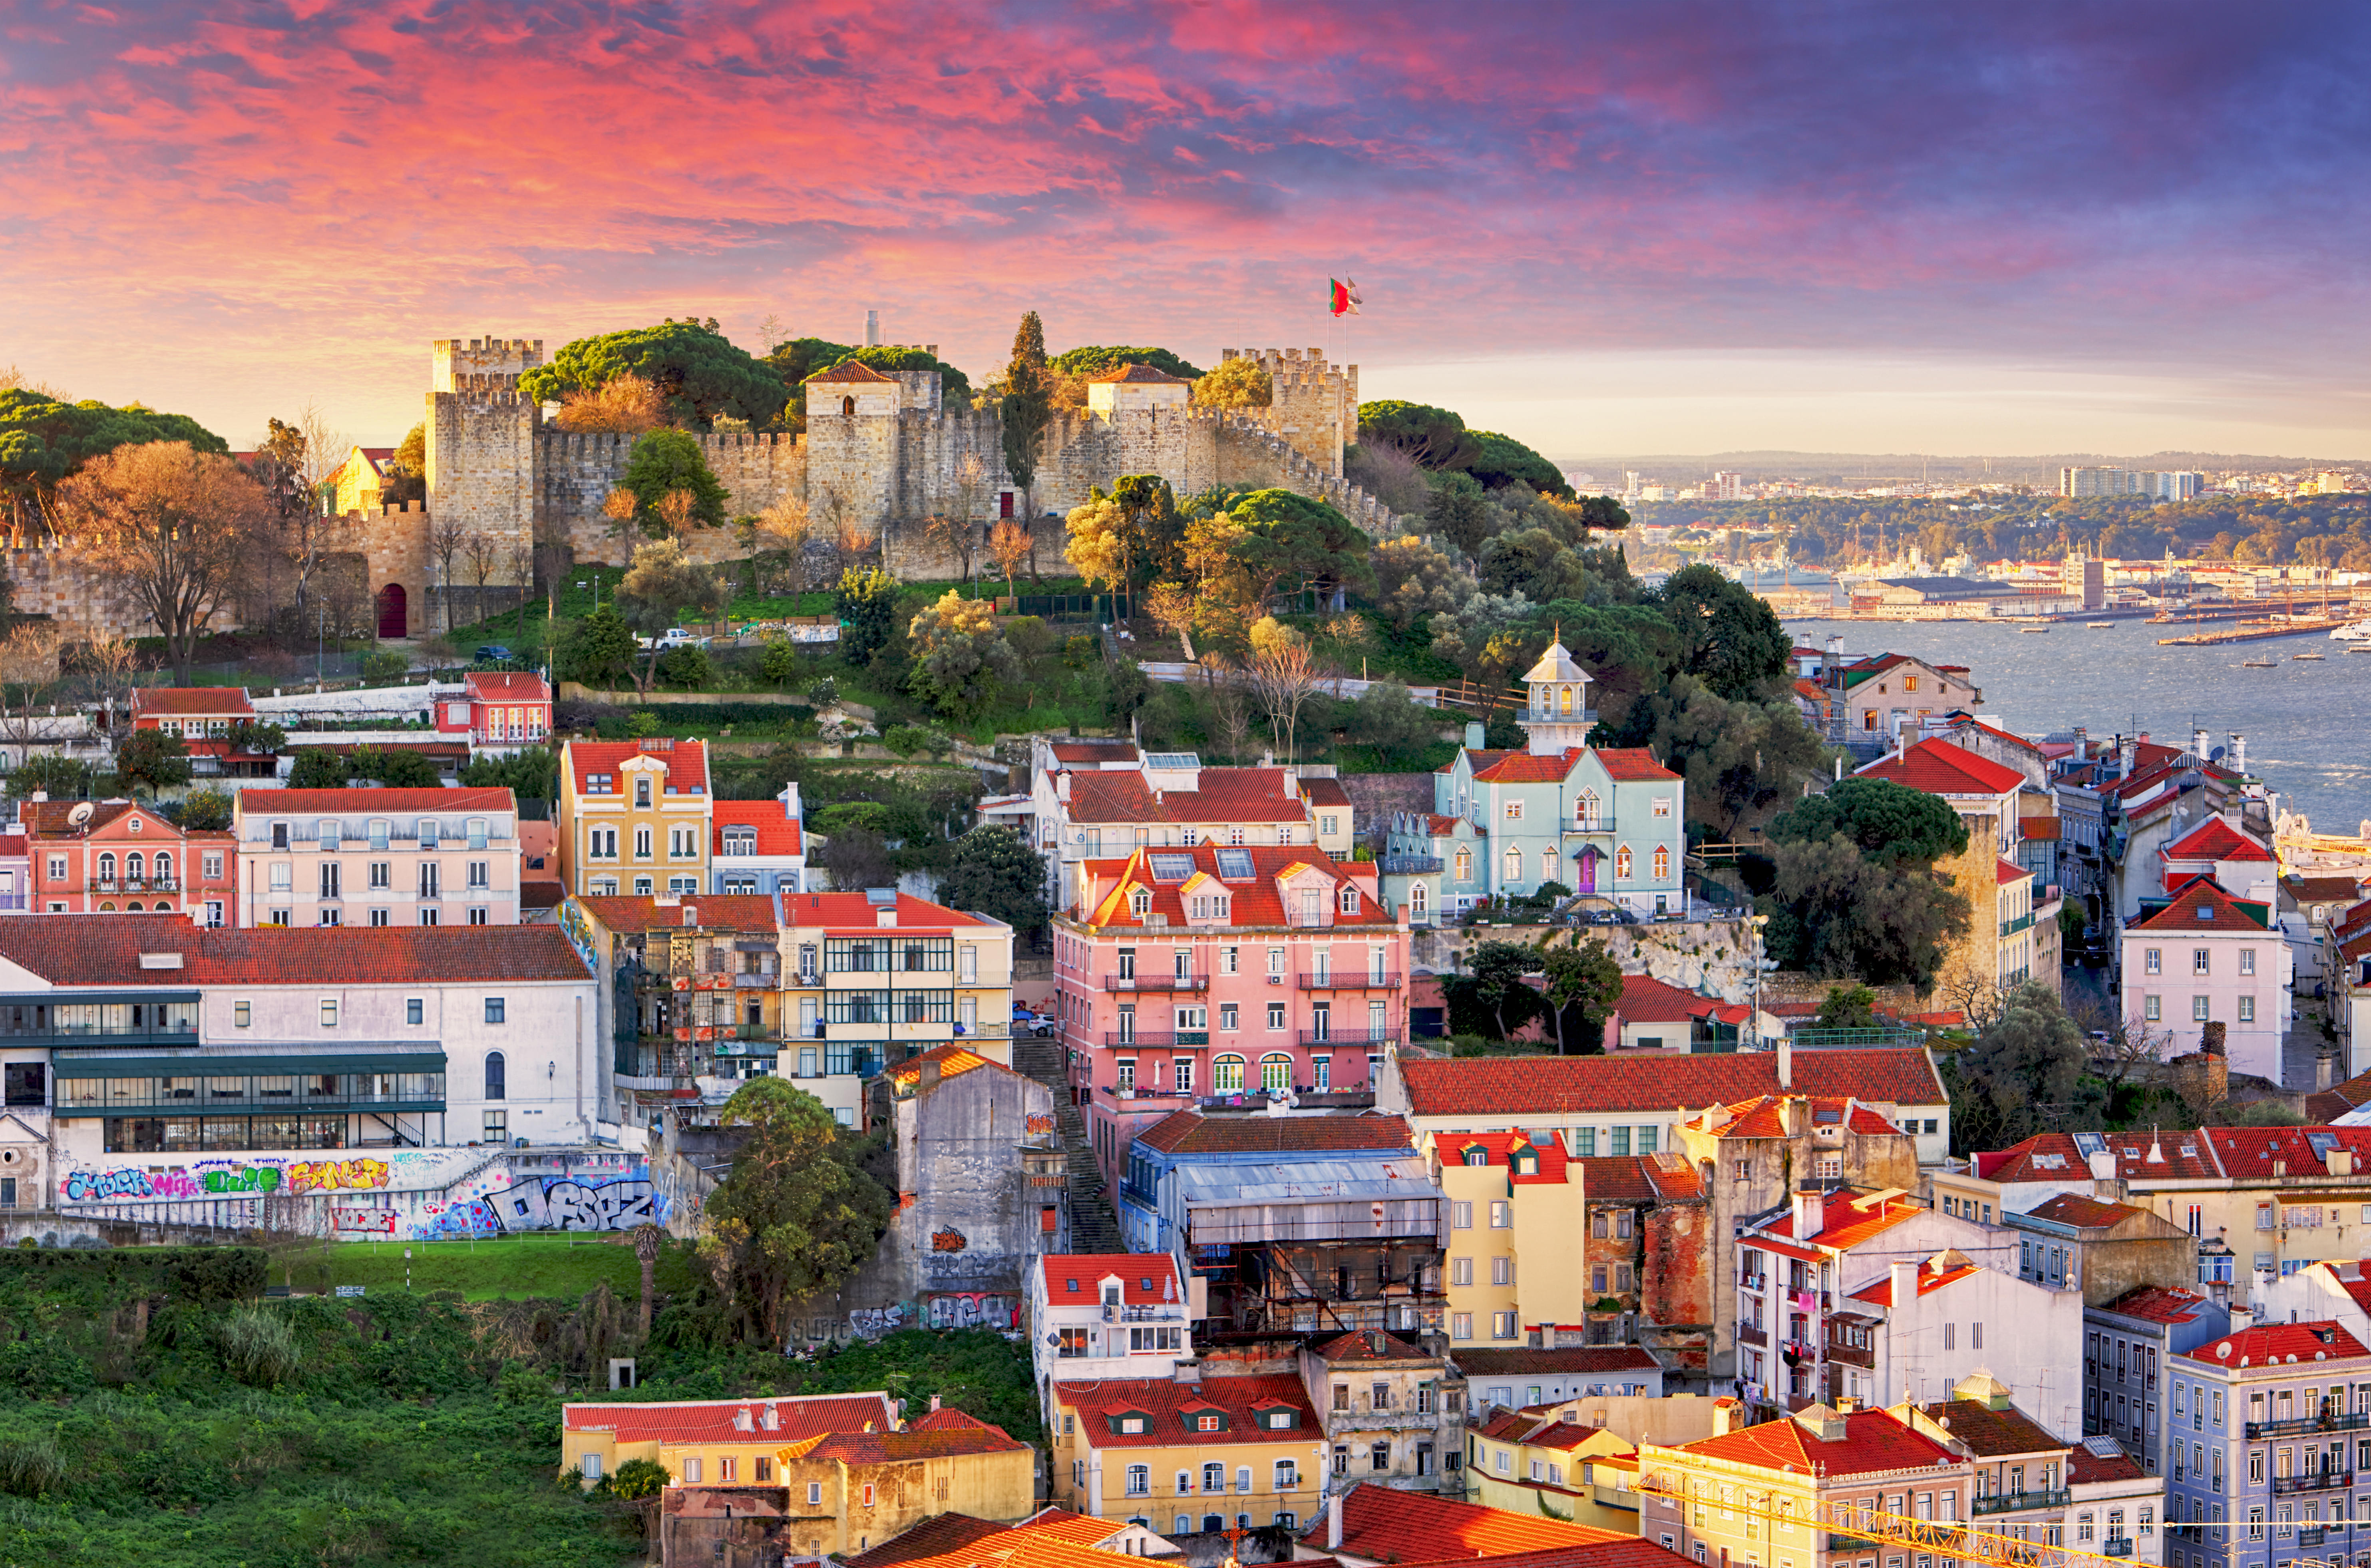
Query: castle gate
point(394, 613)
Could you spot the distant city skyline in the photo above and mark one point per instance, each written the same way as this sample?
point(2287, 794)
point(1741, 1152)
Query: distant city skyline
point(2020, 229)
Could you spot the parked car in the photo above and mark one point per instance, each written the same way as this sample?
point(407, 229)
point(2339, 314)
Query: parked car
point(679, 637)
point(494, 653)
point(1031, 1023)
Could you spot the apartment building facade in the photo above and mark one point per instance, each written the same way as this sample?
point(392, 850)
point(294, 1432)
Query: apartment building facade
point(2207, 957)
point(112, 856)
point(635, 817)
point(376, 857)
point(2128, 1345)
point(1189, 1454)
point(2264, 1424)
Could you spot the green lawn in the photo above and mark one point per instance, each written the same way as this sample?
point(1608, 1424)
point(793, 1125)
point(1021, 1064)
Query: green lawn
point(555, 1265)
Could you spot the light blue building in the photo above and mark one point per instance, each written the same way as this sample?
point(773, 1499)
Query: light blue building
point(2263, 1431)
point(1604, 821)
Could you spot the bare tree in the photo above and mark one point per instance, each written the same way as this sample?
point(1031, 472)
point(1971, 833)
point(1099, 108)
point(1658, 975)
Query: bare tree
point(445, 538)
point(483, 552)
point(1009, 545)
point(107, 662)
point(2121, 1048)
point(1231, 709)
point(1171, 606)
point(949, 526)
point(521, 565)
point(787, 521)
point(175, 526)
point(1284, 680)
point(29, 669)
point(311, 523)
point(674, 509)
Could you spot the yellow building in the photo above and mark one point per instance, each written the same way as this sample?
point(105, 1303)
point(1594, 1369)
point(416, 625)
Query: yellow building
point(634, 817)
point(869, 983)
point(1535, 1462)
point(1516, 1211)
point(1188, 1455)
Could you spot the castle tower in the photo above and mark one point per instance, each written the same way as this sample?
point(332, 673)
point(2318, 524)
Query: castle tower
point(1314, 403)
point(852, 446)
point(1558, 714)
point(452, 357)
point(482, 454)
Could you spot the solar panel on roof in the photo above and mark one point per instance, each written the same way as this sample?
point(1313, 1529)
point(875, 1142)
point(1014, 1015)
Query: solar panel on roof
point(2089, 1144)
point(1234, 865)
point(1172, 868)
point(1172, 760)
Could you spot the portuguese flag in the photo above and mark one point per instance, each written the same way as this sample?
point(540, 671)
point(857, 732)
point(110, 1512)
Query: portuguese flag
point(1342, 296)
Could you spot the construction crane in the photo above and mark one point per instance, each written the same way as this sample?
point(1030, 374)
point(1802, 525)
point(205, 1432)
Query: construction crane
point(1938, 1537)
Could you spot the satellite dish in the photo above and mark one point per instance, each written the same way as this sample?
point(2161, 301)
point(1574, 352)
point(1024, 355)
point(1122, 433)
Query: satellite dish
point(79, 815)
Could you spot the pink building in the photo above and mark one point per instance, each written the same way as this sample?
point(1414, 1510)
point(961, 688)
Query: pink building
point(499, 711)
point(1222, 973)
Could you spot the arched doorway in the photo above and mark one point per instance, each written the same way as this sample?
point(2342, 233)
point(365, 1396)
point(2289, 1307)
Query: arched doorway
point(394, 614)
point(1588, 871)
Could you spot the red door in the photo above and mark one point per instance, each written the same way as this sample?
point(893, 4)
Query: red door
point(394, 617)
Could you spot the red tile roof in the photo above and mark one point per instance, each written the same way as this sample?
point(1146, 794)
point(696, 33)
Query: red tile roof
point(2263, 1154)
point(1622, 1552)
point(854, 911)
point(506, 686)
point(1325, 792)
point(1614, 1178)
point(2339, 1098)
point(718, 911)
point(1646, 1000)
point(2038, 830)
point(2324, 889)
point(2087, 1466)
point(1191, 1133)
point(2082, 1213)
point(2159, 1303)
point(1257, 902)
point(1522, 767)
point(2007, 871)
point(686, 761)
point(713, 1421)
point(1633, 762)
point(1765, 1117)
point(2053, 1157)
point(192, 702)
point(1567, 1086)
point(1095, 751)
point(1936, 767)
point(2278, 1341)
point(2224, 913)
point(2214, 839)
point(952, 1061)
point(1994, 1434)
point(942, 1434)
point(347, 802)
point(1142, 375)
point(1367, 1344)
point(1220, 794)
point(1145, 1278)
point(1847, 1218)
point(778, 831)
point(1873, 1440)
point(1498, 1149)
point(72, 949)
point(1386, 1526)
point(850, 370)
point(934, 1536)
point(1165, 1402)
point(1930, 1280)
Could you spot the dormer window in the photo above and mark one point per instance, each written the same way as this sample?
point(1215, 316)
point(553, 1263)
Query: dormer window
point(1139, 903)
point(642, 791)
point(1526, 1164)
point(1071, 1287)
point(1349, 900)
point(1477, 1157)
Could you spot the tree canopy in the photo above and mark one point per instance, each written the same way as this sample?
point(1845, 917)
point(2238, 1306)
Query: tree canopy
point(699, 372)
point(664, 464)
point(2027, 1073)
point(1837, 914)
point(1730, 637)
point(962, 660)
point(1892, 824)
point(993, 871)
point(1433, 437)
point(1291, 542)
point(1096, 358)
point(1027, 406)
point(42, 438)
point(866, 601)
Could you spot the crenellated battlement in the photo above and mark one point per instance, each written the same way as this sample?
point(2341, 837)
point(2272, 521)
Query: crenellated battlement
point(453, 361)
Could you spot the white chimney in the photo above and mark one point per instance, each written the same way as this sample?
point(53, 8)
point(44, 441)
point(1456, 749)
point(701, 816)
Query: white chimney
point(1062, 789)
point(1906, 1282)
point(1785, 1065)
point(1809, 1213)
point(2103, 1164)
point(741, 1421)
point(1334, 1520)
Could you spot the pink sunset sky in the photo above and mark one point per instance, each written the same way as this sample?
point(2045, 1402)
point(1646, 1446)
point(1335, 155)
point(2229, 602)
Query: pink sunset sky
point(1679, 226)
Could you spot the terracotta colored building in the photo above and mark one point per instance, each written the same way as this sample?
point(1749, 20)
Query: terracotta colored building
point(105, 856)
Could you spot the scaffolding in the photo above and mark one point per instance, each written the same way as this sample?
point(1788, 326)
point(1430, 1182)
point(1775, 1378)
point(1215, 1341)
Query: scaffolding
point(1847, 1527)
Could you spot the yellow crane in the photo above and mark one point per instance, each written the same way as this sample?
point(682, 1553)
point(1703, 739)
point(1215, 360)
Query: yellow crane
point(1938, 1538)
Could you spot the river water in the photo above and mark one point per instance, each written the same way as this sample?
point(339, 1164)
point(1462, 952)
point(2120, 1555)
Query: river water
point(2305, 722)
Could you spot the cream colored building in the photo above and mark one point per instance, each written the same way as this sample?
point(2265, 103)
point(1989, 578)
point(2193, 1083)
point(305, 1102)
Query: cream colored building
point(1535, 1461)
point(1517, 1212)
point(1188, 1455)
point(635, 817)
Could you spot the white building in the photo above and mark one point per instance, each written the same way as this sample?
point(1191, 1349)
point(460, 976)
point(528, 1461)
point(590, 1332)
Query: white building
point(1930, 1322)
point(760, 846)
point(1098, 1314)
point(371, 857)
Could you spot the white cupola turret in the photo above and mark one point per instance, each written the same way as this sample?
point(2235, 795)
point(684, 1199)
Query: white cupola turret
point(1558, 714)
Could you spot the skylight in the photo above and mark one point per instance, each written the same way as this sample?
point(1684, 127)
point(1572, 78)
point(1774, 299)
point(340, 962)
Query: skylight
point(1171, 867)
point(1234, 865)
point(2089, 1144)
point(1172, 760)
point(2207, 912)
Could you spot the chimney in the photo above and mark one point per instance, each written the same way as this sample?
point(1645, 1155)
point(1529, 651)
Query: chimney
point(1904, 1274)
point(1724, 1415)
point(1474, 734)
point(1809, 1213)
point(1786, 1064)
point(1063, 787)
point(1333, 1519)
point(1187, 1373)
point(741, 1421)
point(691, 915)
point(2198, 744)
point(772, 1420)
point(927, 1077)
point(2238, 756)
point(934, 1404)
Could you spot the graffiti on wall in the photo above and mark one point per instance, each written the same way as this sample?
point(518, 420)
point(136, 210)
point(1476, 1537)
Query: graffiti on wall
point(872, 1322)
point(948, 1240)
point(222, 1178)
point(970, 1309)
point(551, 1203)
point(363, 1222)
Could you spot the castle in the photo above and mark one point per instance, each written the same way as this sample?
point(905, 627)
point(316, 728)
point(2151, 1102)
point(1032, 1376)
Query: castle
point(881, 453)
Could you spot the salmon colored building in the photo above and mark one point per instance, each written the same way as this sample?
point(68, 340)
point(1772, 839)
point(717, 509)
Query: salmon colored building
point(112, 856)
point(1221, 973)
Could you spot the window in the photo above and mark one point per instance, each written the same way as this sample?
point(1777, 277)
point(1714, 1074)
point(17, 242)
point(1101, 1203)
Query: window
point(329, 1012)
point(1461, 1325)
point(1622, 864)
point(2246, 960)
point(427, 917)
point(1514, 811)
point(1502, 1271)
point(478, 874)
point(2152, 1008)
point(1460, 1214)
point(497, 1126)
point(1501, 1215)
point(240, 1015)
point(494, 1009)
point(1503, 1325)
point(1227, 1074)
point(2152, 960)
point(1514, 863)
point(1460, 1271)
point(494, 1075)
point(1276, 1014)
point(2247, 1009)
point(2198, 1010)
point(1465, 865)
point(642, 842)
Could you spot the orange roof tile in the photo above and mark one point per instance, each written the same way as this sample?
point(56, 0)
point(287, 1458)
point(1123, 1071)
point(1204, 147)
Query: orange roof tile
point(1386, 1526)
point(719, 912)
point(1191, 1133)
point(685, 762)
point(1936, 767)
point(1567, 1086)
point(1257, 902)
point(1139, 375)
point(1220, 794)
point(714, 1421)
point(1145, 1278)
point(1646, 1000)
point(778, 831)
point(2283, 1342)
point(2159, 1303)
point(1847, 1218)
point(2214, 839)
point(850, 370)
point(506, 686)
point(192, 702)
point(1873, 1440)
point(333, 802)
point(1522, 767)
point(1930, 1280)
point(1633, 763)
point(1165, 1403)
point(73, 949)
point(2222, 912)
point(1550, 1168)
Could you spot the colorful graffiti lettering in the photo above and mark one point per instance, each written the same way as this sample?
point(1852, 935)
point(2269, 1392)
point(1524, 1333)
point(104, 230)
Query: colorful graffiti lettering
point(970, 1309)
point(1041, 1124)
point(461, 1221)
point(320, 1176)
point(98, 1185)
point(948, 1241)
point(243, 1179)
point(564, 1203)
point(373, 1222)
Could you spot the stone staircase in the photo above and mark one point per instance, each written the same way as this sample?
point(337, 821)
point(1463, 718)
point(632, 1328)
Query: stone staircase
point(1095, 1226)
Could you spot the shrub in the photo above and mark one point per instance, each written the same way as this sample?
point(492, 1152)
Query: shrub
point(639, 1478)
point(824, 692)
point(687, 667)
point(258, 1346)
point(778, 662)
point(906, 739)
point(30, 1467)
point(385, 667)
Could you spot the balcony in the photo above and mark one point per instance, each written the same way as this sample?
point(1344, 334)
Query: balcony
point(1145, 1040)
point(2309, 1425)
point(1365, 1038)
point(1166, 1312)
point(2011, 927)
point(2312, 1481)
point(1852, 1356)
point(2116, 1546)
point(1408, 864)
point(2018, 1502)
point(1156, 983)
point(1850, 1543)
point(1348, 980)
point(1751, 1334)
point(1603, 825)
point(753, 983)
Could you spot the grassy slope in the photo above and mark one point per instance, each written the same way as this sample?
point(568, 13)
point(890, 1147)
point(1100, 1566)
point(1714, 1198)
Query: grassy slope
point(483, 1270)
